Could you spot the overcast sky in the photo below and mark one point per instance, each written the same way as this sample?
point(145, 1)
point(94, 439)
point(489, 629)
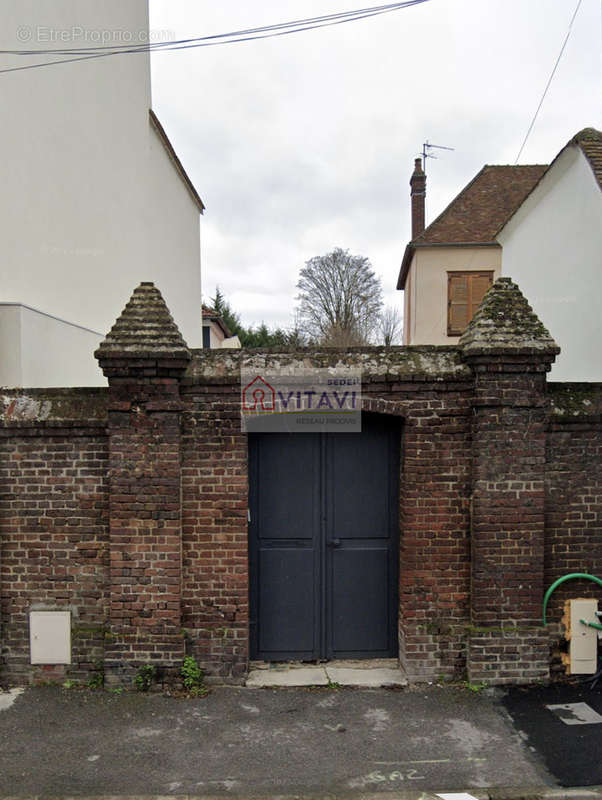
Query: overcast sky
point(304, 143)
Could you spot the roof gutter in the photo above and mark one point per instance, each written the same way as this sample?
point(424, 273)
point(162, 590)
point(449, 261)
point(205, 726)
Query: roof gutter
point(405, 266)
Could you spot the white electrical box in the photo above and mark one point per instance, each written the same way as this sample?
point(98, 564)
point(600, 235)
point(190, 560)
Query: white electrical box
point(583, 649)
point(50, 637)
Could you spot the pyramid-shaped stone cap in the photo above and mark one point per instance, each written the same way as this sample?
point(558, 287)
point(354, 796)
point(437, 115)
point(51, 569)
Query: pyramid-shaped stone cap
point(145, 329)
point(505, 324)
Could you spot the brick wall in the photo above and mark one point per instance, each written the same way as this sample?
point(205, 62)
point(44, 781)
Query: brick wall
point(573, 501)
point(144, 357)
point(144, 528)
point(434, 510)
point(54, 551)
point(573, 490)
point(509, 432)
point(215, 598)
point(434, 521)
point(90, 478)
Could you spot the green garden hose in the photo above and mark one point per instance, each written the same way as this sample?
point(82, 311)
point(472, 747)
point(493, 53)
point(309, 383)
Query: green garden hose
point(595, 625)
point(562, 580)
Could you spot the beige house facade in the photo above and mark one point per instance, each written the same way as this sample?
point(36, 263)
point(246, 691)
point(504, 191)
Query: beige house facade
point(425, 317)
point(540, 226)
point(448, 266)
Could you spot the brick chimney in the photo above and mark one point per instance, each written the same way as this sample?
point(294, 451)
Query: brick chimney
point(418, 194)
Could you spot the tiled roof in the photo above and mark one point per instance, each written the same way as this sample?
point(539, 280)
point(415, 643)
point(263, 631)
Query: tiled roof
point(590, 142)
point(482, 207)
point(505, 323)
point(486, 204)
point(145, 329)
point(476, 214)
point(212, 314)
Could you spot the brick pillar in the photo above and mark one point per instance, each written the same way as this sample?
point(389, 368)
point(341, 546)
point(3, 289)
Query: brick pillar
point(510, 352)
point(144, 358)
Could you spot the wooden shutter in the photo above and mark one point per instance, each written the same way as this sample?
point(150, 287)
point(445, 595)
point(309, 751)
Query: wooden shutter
point(478, 285)
point(465, 290)
point(457, 303)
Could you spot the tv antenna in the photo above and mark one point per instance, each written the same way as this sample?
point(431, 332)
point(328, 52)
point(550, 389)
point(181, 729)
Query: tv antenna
point(426, 147)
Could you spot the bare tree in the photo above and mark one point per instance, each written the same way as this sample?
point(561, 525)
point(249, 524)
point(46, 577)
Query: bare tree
point(390, 326)
point(340, 299)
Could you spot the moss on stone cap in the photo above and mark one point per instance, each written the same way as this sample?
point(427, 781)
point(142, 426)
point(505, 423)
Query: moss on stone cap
point(49, 407)
point(505, 324)
point(575, 402)
point(145, 329)
point(587, 135)
point(421, 363)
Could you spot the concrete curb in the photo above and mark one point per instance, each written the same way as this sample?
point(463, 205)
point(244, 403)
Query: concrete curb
point(492, 793)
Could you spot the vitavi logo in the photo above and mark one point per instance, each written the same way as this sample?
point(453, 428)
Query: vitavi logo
point(258, 395)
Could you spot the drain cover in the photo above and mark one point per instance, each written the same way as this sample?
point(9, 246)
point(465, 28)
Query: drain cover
point(576, 713)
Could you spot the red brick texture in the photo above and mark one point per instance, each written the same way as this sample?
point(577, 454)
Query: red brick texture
point(573, 500)
point(215, 598)
point(53, 543)
point(129, 508)
point(507, 643)
point(144, 357)
point(418, 196)
point(434, 583)
point(145, 528)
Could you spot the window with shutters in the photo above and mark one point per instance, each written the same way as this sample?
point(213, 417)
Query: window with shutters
point(465, 290)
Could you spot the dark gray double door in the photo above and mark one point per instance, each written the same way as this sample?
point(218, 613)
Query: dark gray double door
point(324, 543)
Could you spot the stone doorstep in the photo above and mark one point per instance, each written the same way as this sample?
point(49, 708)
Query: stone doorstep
point(368, 674)
point(301, 676)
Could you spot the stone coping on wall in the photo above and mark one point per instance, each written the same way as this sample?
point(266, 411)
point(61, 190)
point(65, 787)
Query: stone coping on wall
point(47, 408)
point(569, 403)
point(574, 402)
point(424, 363)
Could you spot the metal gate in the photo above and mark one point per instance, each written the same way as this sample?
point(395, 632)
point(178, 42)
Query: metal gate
point(324, 543)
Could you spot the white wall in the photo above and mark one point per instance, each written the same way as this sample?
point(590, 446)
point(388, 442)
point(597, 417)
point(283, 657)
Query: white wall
point(37, 350)
point(175, 239)
point(552, 248)
point(90, 206)
point(10, 346)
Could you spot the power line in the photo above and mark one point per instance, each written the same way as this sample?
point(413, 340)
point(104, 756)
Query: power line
point(234, 37)
point(262, 29)
point(545, 91)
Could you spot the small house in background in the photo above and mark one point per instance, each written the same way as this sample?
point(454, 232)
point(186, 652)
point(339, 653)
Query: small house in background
point(216, 333)
point(539, 225)
point(448, 266)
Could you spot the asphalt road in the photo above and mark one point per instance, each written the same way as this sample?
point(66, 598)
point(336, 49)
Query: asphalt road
point(572, 753)
point(241, 741)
